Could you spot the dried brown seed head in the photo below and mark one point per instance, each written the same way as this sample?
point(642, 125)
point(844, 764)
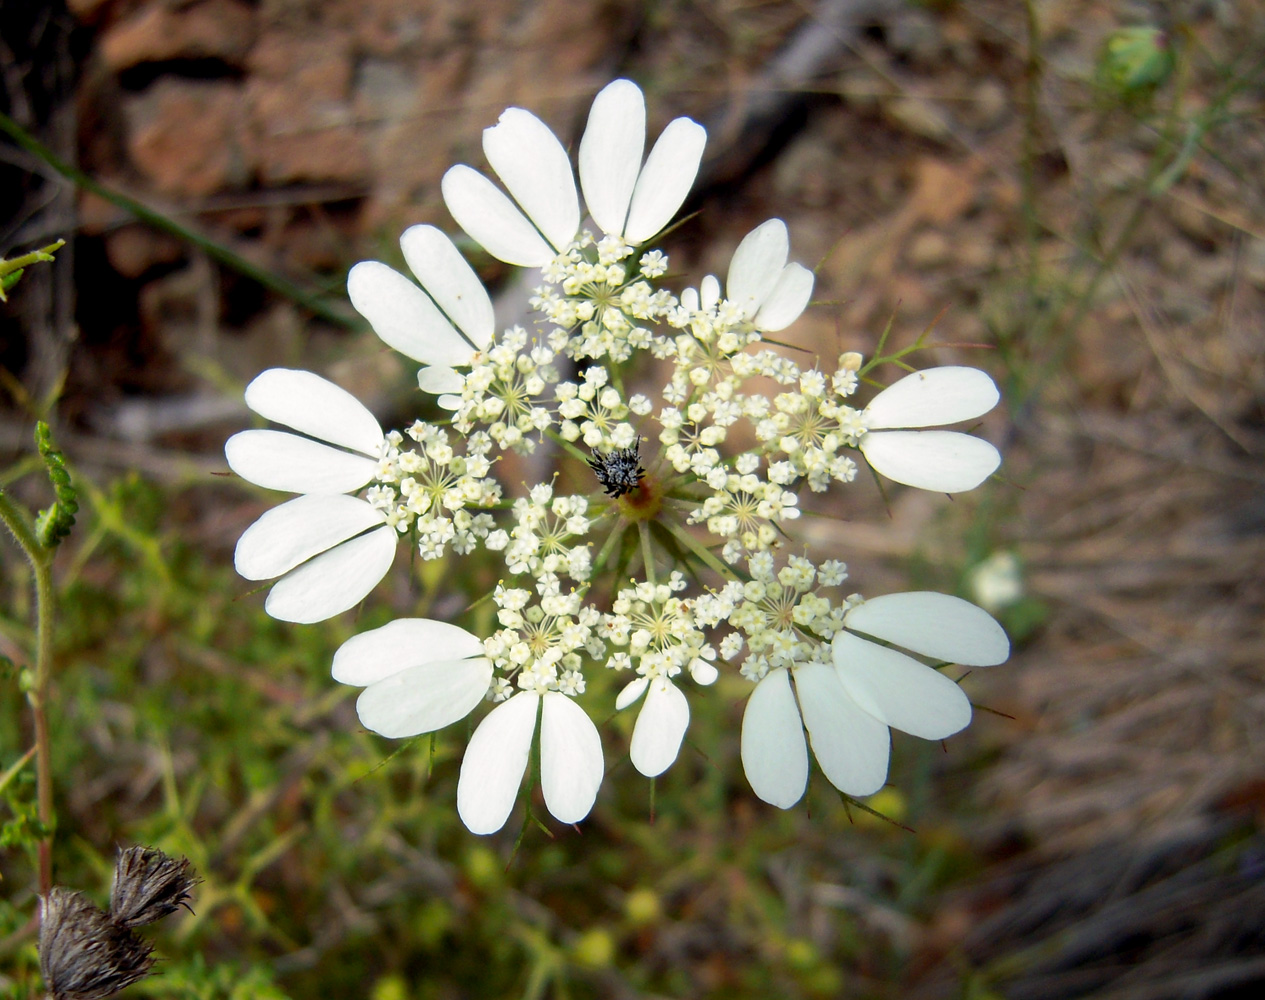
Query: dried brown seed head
point(148, 885)
point(84, 955)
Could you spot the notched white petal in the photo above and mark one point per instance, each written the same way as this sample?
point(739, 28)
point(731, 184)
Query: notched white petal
point(492, 220)
point(666, 179)
point(425, 697)
point(774, 755)
point(314, 406)
point(279, 460)
point(299, 529)
point(941, 461)
point(334, 581)
point(940, 625)
point(933, 397)
point(368, 657)
point(535, 169)
point(496, 758)
point(571, 766)
point(893, 687)
point(660, 728)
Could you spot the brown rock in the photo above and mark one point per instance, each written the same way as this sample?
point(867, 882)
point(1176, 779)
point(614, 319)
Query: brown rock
point(299, 102)
point(185, 135)
point(133, 250)
point(213, 29)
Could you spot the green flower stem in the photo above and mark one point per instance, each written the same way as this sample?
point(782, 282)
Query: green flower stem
point(41, 560)
point(724, 570)
point(273, 282)
point(647, 550)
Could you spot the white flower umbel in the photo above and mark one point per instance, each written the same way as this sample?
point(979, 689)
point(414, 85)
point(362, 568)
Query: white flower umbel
point(627, 199)
point(571, 765)
point(944, 461)
point(329, 549)
point(442, 324)
point(419, 675)
point(848, 704)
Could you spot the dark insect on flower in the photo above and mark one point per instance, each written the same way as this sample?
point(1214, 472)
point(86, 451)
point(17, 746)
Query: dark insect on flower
point(148, 885)
point(619, 471)
point(84, 955)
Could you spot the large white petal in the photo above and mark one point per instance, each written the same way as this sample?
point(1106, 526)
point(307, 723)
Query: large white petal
point(896, 688)
point(367, 658)
point(425, 697)
point(316, 407)
point(450, 281)
point(851, 745)
point(404, 317)
point(757, 265)
point(660, 728)
point(774, 755)
point(536, 170)
point(279, 460)
point(941, 461)
point(492, 769)
point(571, 765)
point(938, 625)
point(492, 220)
point(334, 581)
point(787, 301)
point(666, 179)
point(610, 153)
point(933, 397)
point(299, 529)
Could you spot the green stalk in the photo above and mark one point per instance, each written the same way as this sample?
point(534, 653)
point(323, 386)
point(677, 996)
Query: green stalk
point(41, 560)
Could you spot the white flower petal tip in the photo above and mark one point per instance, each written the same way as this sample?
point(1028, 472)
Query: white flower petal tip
point(298, 530)
point(770, 292)
point(495, 761)
point(535, 169)
point(757, 265)
point(788, 300)
point(851, 746)
point(493, 221)
point(938, 625)
point(571, 765)
point(450, 280)
point(903, 693)
point(404, 317)
point(932, 398)
point(774, 754)
point(624, 197)
point(314, 406)
point(660, 728)
point(631, 693)
point(334, 581)
point(279, 460)
point(375, 655)
point(440, 381)
point(424, 697)
point(665, 179)
point(703, 673)
point(938, 461)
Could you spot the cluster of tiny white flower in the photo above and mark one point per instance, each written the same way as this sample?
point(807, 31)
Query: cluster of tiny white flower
point(782, 621)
